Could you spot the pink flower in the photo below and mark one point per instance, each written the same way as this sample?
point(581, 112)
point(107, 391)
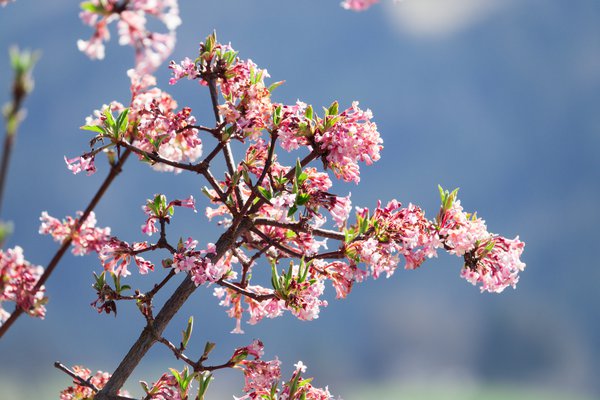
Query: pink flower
point(348, 138)
point(116, 256)
point(18, 279)
point(186, 68)
point(247, 104)
point(160, 128)
point(495, 268)
point(461, 231)
point(157, 209)
point(79, 164)
point(166, 388)
point(87, 239)
point(79, 392)
point(390, 232)
point(198, 263)
point(151, 48)
point(358, 5)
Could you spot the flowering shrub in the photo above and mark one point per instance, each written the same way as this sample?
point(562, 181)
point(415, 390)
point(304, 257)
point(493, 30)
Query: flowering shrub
point(270, 214)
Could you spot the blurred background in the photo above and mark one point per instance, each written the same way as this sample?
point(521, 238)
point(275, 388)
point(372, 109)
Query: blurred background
point(497, 97)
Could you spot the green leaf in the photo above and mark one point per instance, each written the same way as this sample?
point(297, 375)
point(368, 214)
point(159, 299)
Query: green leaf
point(302, 199)
point(309, 113)
point(274, 86)
point(275, 278)
point(91, 7)
point(122, 120)
point(187, 333)
point(110, 120)
point(265, 193)
point(93, 128)
point(178, 377)
point(204, 380)
point(208, 347)
point(145, 387)
point(277, 115)
point(292, 210)
point(333, 108)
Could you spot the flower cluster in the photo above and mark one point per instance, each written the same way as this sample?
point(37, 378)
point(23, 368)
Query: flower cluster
point(346, 138)
point(491, 260)
point(157, 209)
point(5, 2)
point(358, 5)
point(81, 391)
point(151, 124)
point(116, 256)
point(262, 378)
point(18, 279)
point(197, 263)
point(298, 290)
point(495, 264)
point(88, 238)
point(389, 232)
point(165, 388)
point(151, 48)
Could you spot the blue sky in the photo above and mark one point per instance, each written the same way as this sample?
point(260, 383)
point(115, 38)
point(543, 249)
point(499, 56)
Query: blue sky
point(496, 97)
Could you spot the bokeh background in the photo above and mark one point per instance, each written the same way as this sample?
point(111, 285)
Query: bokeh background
point(497, 97)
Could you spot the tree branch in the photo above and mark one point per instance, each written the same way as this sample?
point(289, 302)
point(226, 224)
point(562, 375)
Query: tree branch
point(114, 171)
point(151, 333)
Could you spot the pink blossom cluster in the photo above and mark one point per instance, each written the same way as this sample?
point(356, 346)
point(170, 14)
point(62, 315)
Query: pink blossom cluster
point(158, 210)
point(151, 48)
point(301, 296)
point(262, 378)
point(18, 279)
point(341, 274)
point(496, 268)
point(83, 392)
point(491, 260)
point(197, 263)
point(88, 238)
point(116, 256)
point(160, 128)
point(390, 232)
point(343, 139)
point(80, 164)
point(461, 231)
point(358, 5)
point(165, 388)
point(348, 138)
point(5, 2)
point(247, 104)
point(153, 126)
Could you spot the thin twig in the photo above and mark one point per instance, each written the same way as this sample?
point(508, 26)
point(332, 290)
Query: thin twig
point(114, 171)
point(300, 227)
point(82, 382)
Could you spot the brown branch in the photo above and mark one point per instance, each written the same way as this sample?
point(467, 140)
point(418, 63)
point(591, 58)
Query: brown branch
point(275, 244)
point(214, 98)
point(302, 227)
point(160, 285)
point(178, 353)
point(149, 335)
point(114, 171)
point(245, 292)
point(291, 173)
point(82, 382)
